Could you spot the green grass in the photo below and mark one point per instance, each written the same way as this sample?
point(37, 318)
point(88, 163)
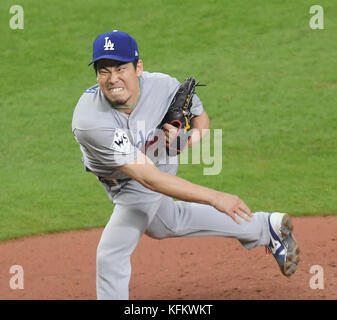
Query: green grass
point(271, 87)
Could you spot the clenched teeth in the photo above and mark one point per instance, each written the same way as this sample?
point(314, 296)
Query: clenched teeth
point(116, 89)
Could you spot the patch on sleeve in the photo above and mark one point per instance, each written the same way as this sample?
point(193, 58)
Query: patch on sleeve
point(121, 142)
point(92, 89)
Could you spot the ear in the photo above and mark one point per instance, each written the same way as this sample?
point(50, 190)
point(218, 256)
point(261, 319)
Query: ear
point(139, 68)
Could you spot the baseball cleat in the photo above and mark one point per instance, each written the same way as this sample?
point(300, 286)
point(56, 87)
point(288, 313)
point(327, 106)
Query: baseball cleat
point(282, 243)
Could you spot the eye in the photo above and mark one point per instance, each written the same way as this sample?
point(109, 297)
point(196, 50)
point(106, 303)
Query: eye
point(121, 68)
point(103, 72)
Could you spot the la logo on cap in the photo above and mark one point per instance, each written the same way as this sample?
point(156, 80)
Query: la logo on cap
point(108, 44)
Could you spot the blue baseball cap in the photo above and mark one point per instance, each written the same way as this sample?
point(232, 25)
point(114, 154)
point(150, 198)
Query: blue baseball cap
point(115, 45)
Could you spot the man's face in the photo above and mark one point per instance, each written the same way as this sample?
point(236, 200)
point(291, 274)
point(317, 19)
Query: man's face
point(119, 82)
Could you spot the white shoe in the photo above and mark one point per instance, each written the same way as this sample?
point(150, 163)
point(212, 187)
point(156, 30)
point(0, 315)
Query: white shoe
point(282, 243)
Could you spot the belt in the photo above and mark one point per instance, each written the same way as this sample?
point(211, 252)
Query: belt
point(109, 181)
point(112, 182)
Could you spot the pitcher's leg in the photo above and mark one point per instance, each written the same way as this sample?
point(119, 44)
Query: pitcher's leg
point(119, 238)
point(185, 219)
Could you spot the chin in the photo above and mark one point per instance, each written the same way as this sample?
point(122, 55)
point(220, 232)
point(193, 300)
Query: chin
point(116, 101)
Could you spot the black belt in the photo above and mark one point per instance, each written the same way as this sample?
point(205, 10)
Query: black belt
point(109, 181)
point(112, 182)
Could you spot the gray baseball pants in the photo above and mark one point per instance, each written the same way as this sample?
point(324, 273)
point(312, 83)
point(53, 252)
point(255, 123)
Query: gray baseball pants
point(162, 217)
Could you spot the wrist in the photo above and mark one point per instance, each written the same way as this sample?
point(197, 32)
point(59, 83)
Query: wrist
point(213, 197)
point(194, 137)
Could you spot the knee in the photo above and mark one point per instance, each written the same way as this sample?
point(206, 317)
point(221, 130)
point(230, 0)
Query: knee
point(155, 234)
point(159, 232)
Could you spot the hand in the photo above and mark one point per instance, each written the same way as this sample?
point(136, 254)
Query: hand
point(231, 205)
point(171, 132)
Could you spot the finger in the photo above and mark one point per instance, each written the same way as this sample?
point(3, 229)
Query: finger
point(170, 137)
point(245, 208)
point(166, 126)
point(167, 134)
point(171, 130)
point(169, 127)
point(234, 217)
point(242, 214)
point(173, 133)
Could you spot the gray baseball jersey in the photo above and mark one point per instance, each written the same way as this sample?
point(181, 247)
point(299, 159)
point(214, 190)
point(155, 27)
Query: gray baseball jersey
point(110, 138)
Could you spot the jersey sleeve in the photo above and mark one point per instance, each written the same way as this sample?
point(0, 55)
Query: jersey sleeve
point(197, 106)
point(106, 147)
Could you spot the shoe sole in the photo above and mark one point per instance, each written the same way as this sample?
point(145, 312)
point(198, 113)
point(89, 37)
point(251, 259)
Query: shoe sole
point(293, 251)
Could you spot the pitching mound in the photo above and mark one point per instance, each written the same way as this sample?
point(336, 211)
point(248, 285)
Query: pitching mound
point(62, 266)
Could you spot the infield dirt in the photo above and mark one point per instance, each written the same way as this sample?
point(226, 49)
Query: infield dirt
point(62, 266)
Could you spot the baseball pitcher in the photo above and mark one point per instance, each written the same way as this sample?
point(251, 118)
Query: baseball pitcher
point(131, 126)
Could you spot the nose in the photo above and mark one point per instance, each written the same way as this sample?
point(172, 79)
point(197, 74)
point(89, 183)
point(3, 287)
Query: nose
point(113, 77)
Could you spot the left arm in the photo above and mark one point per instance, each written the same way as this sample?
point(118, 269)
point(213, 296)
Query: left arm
point(200, 126)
